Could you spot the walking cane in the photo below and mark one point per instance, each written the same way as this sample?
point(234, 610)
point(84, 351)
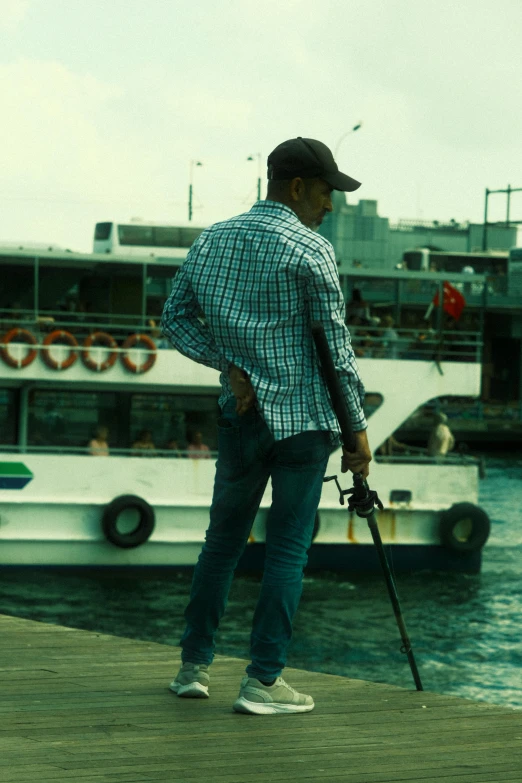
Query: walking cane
point(362, 499)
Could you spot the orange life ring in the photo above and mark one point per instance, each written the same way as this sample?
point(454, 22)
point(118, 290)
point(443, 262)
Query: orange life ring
point(96, 339)
point(69, 340)
point(25, 336)
point(150, 347)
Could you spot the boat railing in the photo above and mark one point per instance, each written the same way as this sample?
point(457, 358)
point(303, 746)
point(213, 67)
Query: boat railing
point(419, 456)
point(71, 450)
point(369, 340)
point(413, 456)
point(79, 325)
point(375, 342)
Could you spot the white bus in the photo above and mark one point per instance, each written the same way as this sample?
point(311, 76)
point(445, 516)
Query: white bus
point(144, 239)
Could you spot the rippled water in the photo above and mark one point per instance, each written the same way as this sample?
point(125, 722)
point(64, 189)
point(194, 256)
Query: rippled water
point(465, 629)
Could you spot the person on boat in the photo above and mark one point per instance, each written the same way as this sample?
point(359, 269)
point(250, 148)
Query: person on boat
point(392, 446)
point(144, 446)
point(390, 338)
point(358, 310)
point(441, 438)
point(196, 448)
point(260, 279)
point(173, 447)
point(99, 445)
point(361, 338)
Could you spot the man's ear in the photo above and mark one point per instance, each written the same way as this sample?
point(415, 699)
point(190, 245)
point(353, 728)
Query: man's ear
point(297, 188)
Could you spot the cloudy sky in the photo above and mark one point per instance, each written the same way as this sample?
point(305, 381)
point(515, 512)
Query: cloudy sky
point(106, 102)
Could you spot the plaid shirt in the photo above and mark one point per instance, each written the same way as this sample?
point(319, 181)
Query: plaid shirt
point(246, 295)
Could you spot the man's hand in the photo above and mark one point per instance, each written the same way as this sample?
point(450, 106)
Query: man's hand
point(242, 390)
point(358, 461)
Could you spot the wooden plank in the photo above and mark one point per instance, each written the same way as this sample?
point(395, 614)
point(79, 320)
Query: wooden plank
point(95, 708)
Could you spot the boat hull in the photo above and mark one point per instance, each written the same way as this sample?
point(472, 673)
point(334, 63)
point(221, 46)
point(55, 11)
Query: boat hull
point(322, 557)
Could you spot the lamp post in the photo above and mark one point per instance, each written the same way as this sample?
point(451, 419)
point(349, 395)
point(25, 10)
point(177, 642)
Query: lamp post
point(352, 130)
point(192, 164)
point(253, 157)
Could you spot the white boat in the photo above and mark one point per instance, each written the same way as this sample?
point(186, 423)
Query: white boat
point(61, 506)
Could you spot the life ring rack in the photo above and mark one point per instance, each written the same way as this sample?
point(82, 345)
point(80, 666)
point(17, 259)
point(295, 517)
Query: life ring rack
point(24, 336)
point(131, 342)
point(141, 532)
point(93, 341)
point(464, 528)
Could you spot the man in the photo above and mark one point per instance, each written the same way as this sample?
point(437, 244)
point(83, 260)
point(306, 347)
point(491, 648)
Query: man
point(260, 279)
point(441, 438)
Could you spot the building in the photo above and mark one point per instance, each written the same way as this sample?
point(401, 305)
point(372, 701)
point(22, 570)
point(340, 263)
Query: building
point(361, 237)
point(358, 234)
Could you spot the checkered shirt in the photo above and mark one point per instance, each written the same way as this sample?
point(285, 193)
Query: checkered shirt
point(246, 295)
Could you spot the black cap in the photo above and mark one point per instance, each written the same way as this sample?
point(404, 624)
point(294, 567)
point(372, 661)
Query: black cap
point(307, 158)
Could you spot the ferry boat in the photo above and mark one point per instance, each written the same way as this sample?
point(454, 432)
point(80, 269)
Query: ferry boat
point(80, 350)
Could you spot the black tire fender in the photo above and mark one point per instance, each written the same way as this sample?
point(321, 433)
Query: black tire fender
point(135, 537)
point(464, 528)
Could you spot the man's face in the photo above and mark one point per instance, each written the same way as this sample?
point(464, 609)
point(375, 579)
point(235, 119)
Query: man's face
point(312, 200)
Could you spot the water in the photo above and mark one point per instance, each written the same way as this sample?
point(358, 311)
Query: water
point(465, 629)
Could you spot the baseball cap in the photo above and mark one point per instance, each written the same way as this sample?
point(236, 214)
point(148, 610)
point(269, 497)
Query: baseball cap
point(307, 158)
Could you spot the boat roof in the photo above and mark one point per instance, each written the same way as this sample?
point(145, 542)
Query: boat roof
point(68, 256)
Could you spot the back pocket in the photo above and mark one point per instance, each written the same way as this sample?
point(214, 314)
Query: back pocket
point(230, 458)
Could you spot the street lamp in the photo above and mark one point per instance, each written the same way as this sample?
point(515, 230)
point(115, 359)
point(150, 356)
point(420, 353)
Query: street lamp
point(192, 164)
point(253, 157)
point(352, 130)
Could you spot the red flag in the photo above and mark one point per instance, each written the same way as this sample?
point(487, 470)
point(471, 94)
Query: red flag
point(454, 302)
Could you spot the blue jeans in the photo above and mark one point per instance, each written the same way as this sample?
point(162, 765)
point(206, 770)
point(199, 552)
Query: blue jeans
point(248, 456)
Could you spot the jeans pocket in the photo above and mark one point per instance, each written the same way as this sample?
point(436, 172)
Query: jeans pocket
point(304, 450)
point(230, 458)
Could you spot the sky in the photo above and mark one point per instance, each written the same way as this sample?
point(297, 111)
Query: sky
point(105, 104)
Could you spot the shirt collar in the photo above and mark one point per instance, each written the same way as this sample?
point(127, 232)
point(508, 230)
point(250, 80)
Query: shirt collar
point(274, 208)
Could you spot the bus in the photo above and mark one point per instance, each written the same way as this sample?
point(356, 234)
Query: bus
point(144, 239)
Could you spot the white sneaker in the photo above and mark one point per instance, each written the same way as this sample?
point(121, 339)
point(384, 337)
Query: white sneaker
point(191, 681)
point(258, 699)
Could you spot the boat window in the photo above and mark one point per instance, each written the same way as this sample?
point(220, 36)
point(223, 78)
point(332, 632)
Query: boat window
point(65, 290)
point(69, 419)
point(17, 292)
point(158, 287)
point(8, 417)
point(372, 401)
point(65, 420)
point(173, 421)
point(84, 295)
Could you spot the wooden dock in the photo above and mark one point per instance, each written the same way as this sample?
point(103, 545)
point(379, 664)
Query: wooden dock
point(88, 707)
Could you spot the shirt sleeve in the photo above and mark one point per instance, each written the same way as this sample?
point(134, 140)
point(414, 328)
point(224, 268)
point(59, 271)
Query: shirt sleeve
point(327, 305)
point(182, 322)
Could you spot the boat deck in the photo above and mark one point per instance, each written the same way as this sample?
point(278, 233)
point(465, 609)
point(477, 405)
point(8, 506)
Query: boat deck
point(93, 708)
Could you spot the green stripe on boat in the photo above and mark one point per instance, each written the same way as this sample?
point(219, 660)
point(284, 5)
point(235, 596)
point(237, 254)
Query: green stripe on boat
point(14, 475)
point(14, 469)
